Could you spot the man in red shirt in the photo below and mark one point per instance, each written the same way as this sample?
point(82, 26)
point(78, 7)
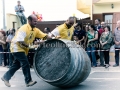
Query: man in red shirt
point(101, 30)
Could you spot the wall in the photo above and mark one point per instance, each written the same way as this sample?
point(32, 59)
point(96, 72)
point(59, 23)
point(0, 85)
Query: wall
point(1, 15)
point(99, 16)
point(52, 24)
point(105, 8)
point(10, 18)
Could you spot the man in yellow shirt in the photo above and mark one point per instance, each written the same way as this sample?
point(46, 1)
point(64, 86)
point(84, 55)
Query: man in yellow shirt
point(64, 31)
point(20, 47)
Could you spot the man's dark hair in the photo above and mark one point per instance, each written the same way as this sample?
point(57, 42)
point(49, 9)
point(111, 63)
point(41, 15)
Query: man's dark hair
point(79, 24)
point(48, 29)
point(30, 18)
point(98, 20)
point(13, 30)
point(73, 18)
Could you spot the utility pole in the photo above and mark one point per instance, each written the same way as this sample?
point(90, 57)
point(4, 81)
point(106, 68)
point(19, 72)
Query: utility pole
point(3, 1)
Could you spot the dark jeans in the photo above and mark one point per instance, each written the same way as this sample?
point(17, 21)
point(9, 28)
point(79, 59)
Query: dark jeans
point(5, 57)
point(92, 56)
point(20, 61)
point(11, 59)
point(117, 56)
point(106, 57)
point(101, 58)
point(31, 56)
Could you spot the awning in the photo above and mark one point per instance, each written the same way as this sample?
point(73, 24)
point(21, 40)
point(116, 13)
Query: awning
point(107, 2)
point(84, 6)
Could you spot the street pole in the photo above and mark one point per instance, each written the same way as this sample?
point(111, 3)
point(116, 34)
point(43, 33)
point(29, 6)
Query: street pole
point(3, 1)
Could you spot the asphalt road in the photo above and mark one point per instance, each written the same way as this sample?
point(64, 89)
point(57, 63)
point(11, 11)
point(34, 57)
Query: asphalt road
point(99, 79)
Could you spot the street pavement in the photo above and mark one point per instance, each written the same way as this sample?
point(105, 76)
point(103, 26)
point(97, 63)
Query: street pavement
point(99, 79)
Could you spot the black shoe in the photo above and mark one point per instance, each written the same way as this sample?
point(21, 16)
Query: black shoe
point(101, 65)
point(115, 65)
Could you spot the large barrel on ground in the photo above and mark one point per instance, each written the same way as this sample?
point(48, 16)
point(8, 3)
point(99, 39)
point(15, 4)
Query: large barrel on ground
point(62, 63)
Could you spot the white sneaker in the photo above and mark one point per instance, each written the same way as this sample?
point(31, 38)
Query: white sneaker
point(31, 83)
point(6, 82)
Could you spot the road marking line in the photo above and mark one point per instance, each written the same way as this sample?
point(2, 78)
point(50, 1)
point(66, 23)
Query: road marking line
point(2, 85)
point(105, 78)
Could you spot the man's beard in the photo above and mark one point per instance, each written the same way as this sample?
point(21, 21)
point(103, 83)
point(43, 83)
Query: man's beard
point(69, 26)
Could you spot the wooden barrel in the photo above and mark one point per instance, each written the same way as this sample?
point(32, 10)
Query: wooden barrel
point(62, 63)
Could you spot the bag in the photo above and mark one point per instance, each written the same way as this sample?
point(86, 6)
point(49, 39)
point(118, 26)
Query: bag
point(112, 41)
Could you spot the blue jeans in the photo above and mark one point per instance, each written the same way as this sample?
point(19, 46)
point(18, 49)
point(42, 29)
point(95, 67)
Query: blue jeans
point(22, 18)
point(92, 55)
point(5, 57)
point(20, 61)
point(10, 58)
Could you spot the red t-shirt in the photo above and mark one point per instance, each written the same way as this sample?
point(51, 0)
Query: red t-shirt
point(101, 31)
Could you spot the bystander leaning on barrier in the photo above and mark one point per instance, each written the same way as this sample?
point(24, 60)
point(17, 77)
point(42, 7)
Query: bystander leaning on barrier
point(92, 36)
point(105, 42)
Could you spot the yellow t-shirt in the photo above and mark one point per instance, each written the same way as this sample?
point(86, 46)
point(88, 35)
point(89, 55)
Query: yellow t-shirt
point(26, 34)
point(63, 32)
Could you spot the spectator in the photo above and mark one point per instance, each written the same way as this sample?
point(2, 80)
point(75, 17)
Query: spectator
point(97, 23)
point(76, 39)
point(92, 36)
point(105, 41)
point(19, 9)
point(79, 33)
point(117, 43)
point(8, 40)
point(2, 43)
point(101, 30)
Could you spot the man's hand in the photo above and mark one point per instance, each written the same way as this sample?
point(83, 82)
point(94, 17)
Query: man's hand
point(58, 37)
point(79, 42)
point(22, 44)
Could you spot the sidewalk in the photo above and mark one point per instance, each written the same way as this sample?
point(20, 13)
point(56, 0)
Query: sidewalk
point(6, 69)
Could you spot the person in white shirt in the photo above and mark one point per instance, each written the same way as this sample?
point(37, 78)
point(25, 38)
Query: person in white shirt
point(19, 9)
